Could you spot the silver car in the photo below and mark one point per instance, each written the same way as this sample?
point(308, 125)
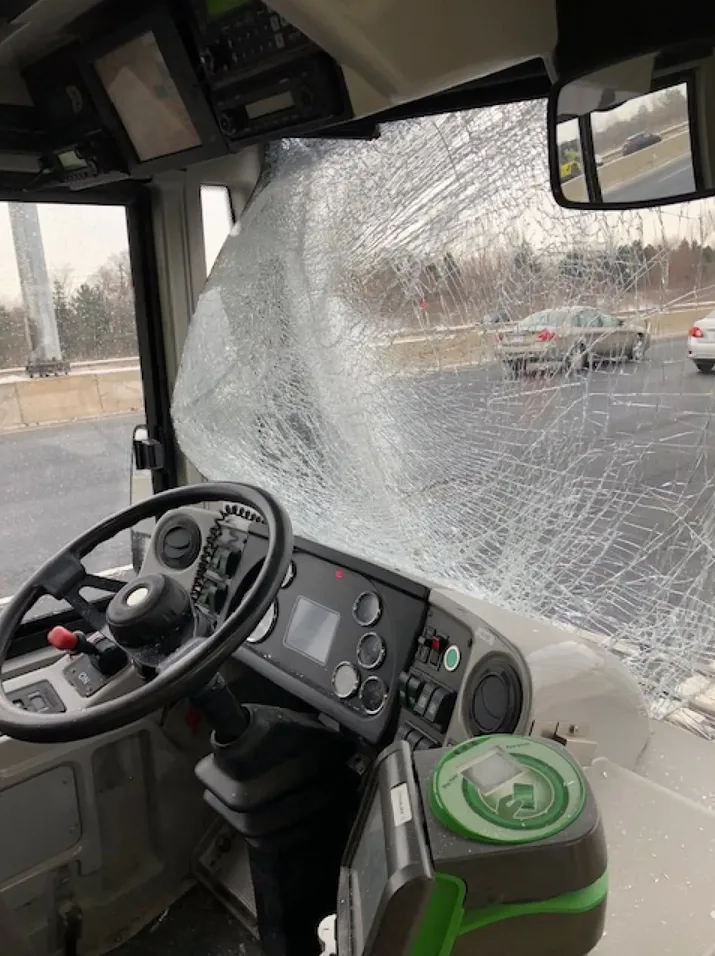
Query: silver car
point(571, 338)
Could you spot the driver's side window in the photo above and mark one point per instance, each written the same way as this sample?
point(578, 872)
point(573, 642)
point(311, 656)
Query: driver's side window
point(70, 384)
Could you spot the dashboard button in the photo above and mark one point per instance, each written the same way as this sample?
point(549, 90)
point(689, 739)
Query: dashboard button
point(264, 626)
point(424, 699)
point(452, 657)
point(367, 609)
point(434, 658)
point(440, 707)
point(346, 680)
point(422, 653)
point(412, 690)
point(371, 651)
point(373, 695)
point(413, 738)
point(225, 562)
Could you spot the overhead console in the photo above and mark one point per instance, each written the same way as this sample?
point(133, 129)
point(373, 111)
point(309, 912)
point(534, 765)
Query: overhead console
point(263, 75)
point(150, 87)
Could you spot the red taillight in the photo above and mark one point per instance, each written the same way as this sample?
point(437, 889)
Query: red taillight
point(545, 335)
point(695, 333)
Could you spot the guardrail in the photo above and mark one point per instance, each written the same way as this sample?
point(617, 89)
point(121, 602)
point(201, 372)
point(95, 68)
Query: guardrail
point(96, 393)
point(78, 367)
point(624, 169)
point(668, 131)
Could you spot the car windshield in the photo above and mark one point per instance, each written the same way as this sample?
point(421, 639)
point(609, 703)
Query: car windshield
point(339, 357)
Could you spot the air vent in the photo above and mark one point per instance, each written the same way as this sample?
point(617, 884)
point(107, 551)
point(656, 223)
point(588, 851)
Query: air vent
point(494, 697)
point(178, 543)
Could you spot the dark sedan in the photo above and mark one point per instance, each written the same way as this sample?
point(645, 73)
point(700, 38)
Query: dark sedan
point(639, 141)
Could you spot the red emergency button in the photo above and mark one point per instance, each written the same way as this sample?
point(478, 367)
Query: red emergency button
point(63, 639)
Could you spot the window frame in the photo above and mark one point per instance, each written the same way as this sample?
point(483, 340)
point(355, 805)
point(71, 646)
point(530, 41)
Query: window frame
point(136, 198)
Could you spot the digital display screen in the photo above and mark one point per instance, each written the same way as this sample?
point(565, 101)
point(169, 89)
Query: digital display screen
point(217, 8)
point(137, 81)
point(493, 771)
point(312, 629)
point(271, 104)
point(70, 160)
point(368, 876)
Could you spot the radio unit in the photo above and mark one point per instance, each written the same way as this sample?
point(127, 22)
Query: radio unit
point(264, 77)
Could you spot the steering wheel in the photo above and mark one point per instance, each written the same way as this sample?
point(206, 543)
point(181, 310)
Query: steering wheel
point(182, 664)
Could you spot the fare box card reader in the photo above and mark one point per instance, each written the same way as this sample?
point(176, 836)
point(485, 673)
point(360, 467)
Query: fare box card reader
point(494, 846)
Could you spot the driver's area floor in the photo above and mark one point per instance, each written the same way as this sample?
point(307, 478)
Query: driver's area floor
point(196, 925)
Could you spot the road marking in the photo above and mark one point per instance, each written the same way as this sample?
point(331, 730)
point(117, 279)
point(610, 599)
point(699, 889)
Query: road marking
point(110, 572)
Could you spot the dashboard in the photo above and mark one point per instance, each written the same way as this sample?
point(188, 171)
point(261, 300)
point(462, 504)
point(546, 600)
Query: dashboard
point(360, 643)
point(380, 654)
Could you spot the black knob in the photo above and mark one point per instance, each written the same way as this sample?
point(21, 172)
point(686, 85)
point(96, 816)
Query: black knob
point(150, 610)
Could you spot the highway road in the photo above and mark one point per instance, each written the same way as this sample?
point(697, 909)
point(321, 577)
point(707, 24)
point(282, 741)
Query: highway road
point(58, 482)
point(672, 180)
point(592, 493)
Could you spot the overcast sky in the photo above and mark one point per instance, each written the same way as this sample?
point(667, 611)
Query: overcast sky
point(472, 181)
point(79, 239)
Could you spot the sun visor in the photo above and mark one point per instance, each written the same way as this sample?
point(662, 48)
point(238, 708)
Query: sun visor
point(391, 53)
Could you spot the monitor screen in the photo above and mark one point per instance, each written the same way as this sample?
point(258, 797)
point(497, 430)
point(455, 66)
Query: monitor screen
point(369, 875)
point(493, 771)
point(312, 629)
point(70, 160)
point(218, 8)
point(137, 81)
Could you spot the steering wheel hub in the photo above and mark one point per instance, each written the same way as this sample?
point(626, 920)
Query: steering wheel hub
point(150, 612)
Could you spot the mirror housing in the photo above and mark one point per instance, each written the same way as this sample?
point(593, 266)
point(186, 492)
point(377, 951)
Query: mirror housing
point(638, 133)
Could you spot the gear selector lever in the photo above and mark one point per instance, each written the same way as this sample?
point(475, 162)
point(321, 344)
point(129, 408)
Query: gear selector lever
point(107, 656)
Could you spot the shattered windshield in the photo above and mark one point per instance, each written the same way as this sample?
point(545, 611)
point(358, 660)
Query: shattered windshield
point(347, 355)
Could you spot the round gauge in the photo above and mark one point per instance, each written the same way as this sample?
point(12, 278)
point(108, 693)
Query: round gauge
point(367, 609)
point(346, 680)
point(373, 695)
point(371, 651)
point(290, 575)
point(264, 627)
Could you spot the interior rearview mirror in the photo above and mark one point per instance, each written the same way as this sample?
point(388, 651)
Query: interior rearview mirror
point(640, 132)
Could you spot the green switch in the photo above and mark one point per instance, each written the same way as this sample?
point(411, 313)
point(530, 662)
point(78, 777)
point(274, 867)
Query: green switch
point(452, 657)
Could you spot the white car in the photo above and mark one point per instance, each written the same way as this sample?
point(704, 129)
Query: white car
point(701, 343)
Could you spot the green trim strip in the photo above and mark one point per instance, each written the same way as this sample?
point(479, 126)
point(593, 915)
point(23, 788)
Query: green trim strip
point(580, 901)
point(441, 923)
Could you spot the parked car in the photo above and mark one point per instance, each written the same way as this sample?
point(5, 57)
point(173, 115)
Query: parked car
point(571, 338)
point(639, 141)
point(701, 343)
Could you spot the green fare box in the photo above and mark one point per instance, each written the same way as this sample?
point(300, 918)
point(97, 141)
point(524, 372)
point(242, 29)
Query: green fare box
point(494, 846)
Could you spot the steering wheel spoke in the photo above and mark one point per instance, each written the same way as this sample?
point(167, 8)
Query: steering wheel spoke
point(89, 613)
point(64, 578)
point(99, 583)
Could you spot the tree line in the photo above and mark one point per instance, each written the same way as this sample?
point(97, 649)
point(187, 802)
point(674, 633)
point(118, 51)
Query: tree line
point(515, 282)
point(95, 320)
